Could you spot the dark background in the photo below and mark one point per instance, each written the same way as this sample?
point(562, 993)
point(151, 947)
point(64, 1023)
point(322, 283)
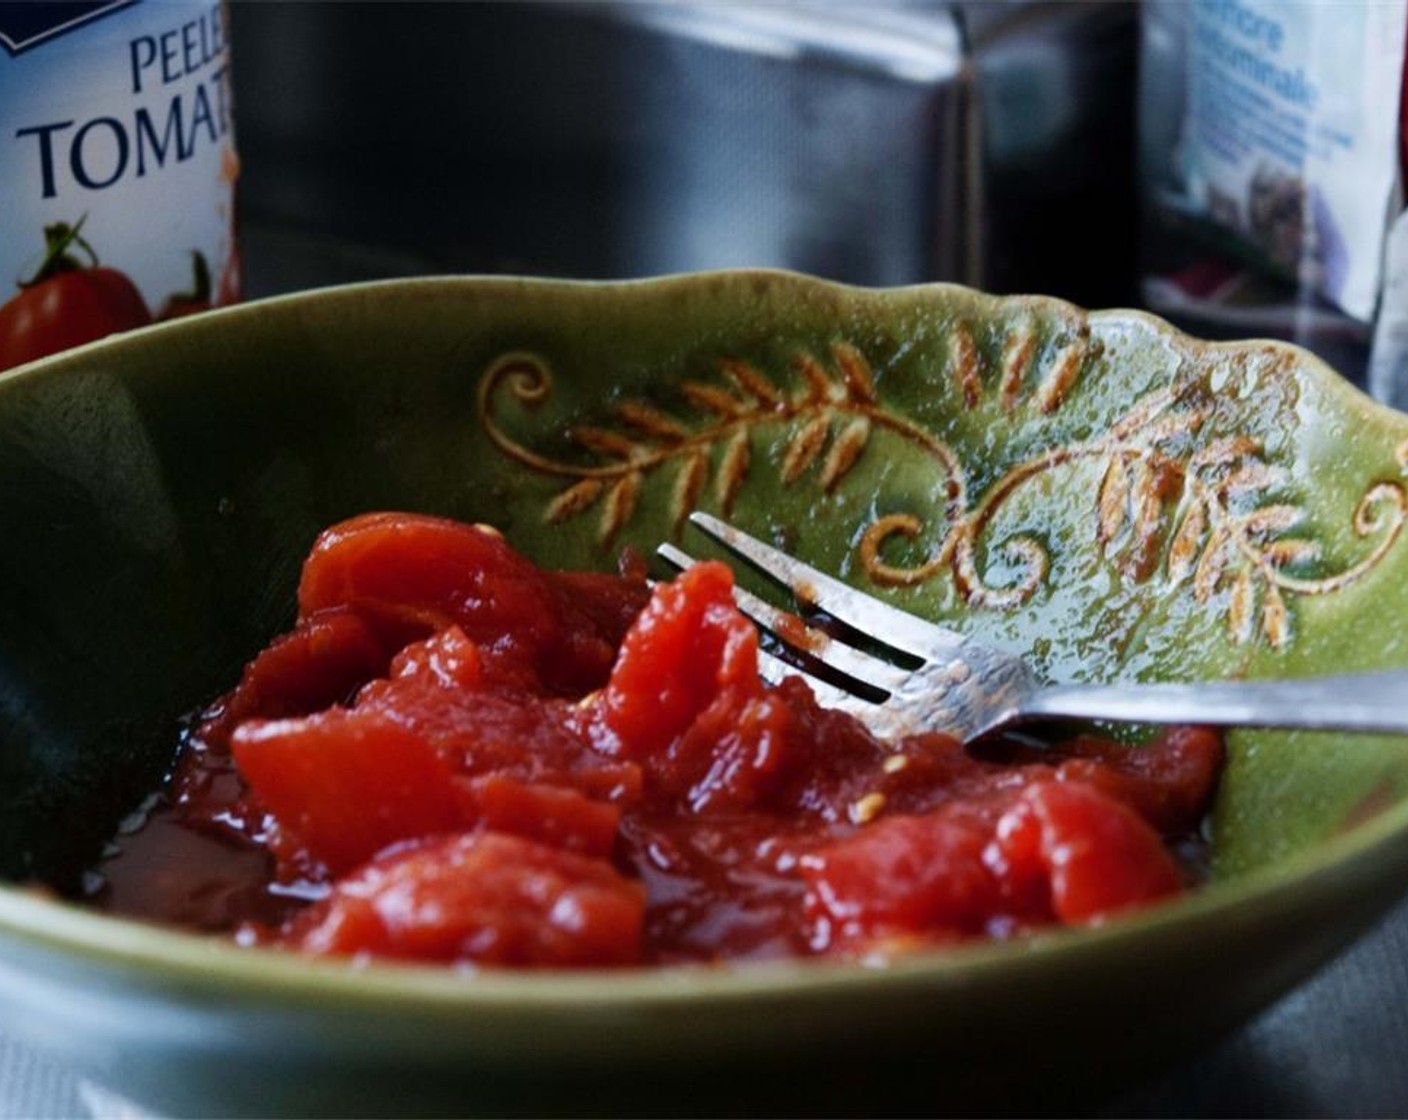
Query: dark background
point(622, 140)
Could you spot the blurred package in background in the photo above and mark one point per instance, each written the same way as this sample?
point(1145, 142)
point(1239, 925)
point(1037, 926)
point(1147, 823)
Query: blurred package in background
point(1271, 166)
point(873, 143)
point(117, 170)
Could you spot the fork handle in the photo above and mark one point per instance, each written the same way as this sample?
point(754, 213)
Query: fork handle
point(1355, 702)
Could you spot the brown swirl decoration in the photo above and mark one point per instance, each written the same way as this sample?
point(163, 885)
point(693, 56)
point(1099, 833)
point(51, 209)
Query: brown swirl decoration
point(832, 413)
point(1204, 515)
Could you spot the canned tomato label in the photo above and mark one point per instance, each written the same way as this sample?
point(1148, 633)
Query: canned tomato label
point(117, 169)
point(1291, 138)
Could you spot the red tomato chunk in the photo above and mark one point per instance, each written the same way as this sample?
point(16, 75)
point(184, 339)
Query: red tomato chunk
point(484, 897)
point(458, 757)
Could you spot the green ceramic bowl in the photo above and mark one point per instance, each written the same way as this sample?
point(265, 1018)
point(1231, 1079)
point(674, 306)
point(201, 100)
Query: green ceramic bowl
point(1098, 491)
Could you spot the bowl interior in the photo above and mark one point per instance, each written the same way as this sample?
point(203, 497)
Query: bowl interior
point(1098, 492)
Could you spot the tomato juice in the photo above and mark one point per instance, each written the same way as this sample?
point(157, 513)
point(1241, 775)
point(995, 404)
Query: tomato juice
point(458, 757)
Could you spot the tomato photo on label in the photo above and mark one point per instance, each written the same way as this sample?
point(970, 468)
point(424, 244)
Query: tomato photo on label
point(196, 299)
point(67, 302)
point(230, 289)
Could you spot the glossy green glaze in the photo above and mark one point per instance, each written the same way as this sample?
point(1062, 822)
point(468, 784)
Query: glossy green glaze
point(1111, 498)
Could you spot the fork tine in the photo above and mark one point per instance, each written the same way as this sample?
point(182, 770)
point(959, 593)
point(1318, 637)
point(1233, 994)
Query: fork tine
point(861, 612)
point(815, 644)
point(772, 669)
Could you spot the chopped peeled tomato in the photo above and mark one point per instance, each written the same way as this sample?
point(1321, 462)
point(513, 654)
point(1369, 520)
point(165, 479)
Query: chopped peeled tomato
point(322, 662)
point(486, 898)
point(552, 814)
point(449, 659)
point(481, 761)
point(902, 875)
point(1061, 850)
point(686, 701)
point(1169, 781)
point(1096, 855)
point(345, 785)
point(412, 575)
point(687, 646)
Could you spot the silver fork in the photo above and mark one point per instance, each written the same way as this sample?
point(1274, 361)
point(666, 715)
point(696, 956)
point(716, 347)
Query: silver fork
point(968, 689)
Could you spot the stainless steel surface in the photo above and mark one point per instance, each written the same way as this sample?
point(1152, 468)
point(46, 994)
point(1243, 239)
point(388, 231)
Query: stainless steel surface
point(609, 140)
point(1354, 702)
point(874, 143)
point(964, 688)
